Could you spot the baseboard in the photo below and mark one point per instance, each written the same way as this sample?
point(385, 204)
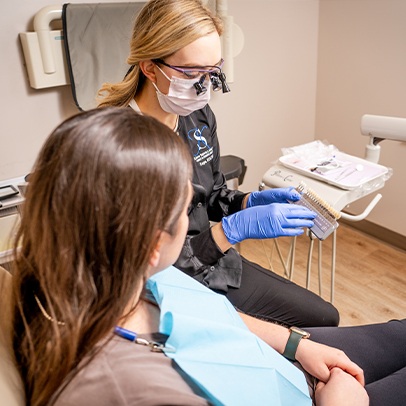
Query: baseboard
point(379, 232)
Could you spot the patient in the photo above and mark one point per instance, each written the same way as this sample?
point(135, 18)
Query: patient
point(106, 208)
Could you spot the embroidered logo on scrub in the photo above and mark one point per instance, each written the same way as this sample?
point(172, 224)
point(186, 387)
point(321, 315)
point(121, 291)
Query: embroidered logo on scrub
point(202, 151)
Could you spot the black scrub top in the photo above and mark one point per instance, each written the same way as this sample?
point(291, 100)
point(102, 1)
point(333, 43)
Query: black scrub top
point(201, 258)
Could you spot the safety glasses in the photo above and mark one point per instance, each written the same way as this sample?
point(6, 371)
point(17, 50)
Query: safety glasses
point(215, 73)
point(193, 72)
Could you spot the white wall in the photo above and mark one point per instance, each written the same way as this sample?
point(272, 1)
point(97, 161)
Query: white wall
point(362, 70)
point(27, 115)
point(272, 102)
point(355, 66)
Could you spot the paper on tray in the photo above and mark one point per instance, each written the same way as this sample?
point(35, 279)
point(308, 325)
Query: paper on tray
point(326, 163)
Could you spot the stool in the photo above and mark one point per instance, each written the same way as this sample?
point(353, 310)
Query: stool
point(233, 168)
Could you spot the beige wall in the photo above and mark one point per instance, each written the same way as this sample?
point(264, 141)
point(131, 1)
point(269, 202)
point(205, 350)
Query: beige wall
point(362, 70)
point(273, 100)
point(27, 115)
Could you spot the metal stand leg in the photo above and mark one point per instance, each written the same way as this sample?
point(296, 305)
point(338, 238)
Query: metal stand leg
point(333, 265)
point(320, 267)
point(320, 264)
point(309, 261)
point(289, 265)
point(292, 257)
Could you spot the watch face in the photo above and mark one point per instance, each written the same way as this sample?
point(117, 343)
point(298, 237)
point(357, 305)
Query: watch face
point(303, 333)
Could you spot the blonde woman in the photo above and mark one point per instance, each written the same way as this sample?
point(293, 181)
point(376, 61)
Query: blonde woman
point(175, 59)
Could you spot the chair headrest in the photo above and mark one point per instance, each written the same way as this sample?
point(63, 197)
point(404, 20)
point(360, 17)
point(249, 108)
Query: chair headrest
point(11, 386)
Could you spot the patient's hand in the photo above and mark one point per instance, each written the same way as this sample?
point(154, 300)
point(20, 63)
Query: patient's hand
point(319, 360)
point(341, 389)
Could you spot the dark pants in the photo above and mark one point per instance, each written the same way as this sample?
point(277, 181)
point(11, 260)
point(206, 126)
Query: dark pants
point(268, 296)
point(380, 350)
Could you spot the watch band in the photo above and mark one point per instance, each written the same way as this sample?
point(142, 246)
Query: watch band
point(295, 336)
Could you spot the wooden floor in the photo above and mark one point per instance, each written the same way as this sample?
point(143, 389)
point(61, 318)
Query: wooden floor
point(370, 276)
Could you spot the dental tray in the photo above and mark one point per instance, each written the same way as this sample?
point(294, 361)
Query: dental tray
point(338, 169)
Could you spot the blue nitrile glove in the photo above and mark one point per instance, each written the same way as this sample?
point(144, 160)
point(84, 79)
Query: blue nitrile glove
point(270, 221)
point(277, 195)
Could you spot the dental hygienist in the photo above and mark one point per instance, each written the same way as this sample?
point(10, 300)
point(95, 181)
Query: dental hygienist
point(175, 58)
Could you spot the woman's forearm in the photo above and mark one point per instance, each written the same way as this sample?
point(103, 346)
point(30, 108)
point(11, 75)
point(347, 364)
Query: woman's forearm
point(220, 238)
point(273, 334)
point(218, 233)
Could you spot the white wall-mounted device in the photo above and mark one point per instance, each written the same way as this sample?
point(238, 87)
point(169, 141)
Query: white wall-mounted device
point(44, 51)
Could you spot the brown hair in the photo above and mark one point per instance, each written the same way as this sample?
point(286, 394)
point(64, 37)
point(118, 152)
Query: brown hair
point(162, 28)
point(104, 185)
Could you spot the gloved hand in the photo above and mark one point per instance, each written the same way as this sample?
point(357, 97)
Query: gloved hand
point(269, 221)
point(277, 195)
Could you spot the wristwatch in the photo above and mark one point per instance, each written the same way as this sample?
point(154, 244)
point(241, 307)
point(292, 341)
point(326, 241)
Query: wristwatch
point(296, 334)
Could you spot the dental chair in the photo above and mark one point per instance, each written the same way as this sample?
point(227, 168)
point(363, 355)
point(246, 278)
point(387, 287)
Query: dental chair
point(11, 386)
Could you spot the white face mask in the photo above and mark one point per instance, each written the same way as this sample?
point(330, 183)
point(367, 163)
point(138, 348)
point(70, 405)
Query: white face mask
point(182, 98)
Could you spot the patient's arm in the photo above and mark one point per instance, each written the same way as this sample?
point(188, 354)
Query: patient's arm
point(317, 359)
point(273, 334)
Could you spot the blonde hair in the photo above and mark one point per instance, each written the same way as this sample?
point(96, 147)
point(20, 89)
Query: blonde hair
point(162, 28)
